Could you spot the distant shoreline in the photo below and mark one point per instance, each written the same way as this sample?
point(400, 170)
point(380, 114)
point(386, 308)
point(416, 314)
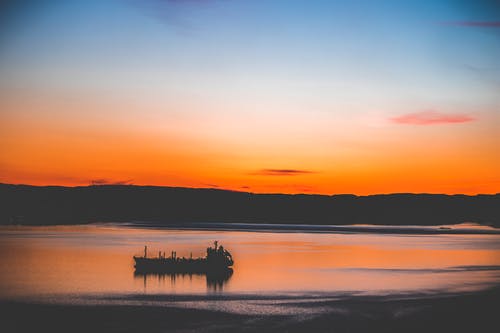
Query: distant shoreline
point(164, 206)
point(458, 229)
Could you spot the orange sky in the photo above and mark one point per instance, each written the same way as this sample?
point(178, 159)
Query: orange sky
point(74, 141)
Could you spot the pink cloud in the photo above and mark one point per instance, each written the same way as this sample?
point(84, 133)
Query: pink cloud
point(431, 118)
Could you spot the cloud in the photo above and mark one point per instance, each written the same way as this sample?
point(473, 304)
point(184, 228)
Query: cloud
point(431, 118)
point(180, 1)
point(475, 24)
point(282, 172)
point(211, 185)
point(103, 181)
point(175, 13)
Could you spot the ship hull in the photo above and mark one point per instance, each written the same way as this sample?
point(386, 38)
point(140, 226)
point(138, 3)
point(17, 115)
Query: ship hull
point(169, 265)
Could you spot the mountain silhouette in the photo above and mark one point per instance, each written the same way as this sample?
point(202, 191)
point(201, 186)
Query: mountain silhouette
point(36, 205)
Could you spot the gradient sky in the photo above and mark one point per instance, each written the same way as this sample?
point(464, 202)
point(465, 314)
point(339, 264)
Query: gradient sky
point(283, 96)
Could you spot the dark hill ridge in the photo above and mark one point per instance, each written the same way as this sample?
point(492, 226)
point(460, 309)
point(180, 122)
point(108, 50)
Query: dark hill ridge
point(23, 204)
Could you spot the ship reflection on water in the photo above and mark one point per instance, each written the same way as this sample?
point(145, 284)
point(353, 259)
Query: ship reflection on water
point(215, 281)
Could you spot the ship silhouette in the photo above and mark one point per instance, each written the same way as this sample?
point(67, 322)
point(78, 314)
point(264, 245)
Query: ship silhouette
point(216, 262)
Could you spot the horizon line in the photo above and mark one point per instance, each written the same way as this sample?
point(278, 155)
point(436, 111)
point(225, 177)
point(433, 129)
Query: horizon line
point(249, 192)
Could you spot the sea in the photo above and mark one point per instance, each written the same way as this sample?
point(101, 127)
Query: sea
point(274, 264)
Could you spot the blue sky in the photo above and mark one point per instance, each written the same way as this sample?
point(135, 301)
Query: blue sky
point(412, 47)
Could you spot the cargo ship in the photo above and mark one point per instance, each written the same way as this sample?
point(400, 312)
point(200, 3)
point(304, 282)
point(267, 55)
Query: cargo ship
point(217, 260)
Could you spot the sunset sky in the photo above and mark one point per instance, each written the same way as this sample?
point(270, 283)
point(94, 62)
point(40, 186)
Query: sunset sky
point(285, 96)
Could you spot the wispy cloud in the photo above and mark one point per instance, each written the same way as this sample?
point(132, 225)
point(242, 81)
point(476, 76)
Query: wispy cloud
point(431, 117)
point(282, 172)
point(173, 12)
point(180, 1)
point(474, 24)
point(103, 181)
point(211, 185)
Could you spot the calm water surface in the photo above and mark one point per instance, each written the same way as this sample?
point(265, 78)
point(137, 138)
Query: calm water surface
point(69, 263)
